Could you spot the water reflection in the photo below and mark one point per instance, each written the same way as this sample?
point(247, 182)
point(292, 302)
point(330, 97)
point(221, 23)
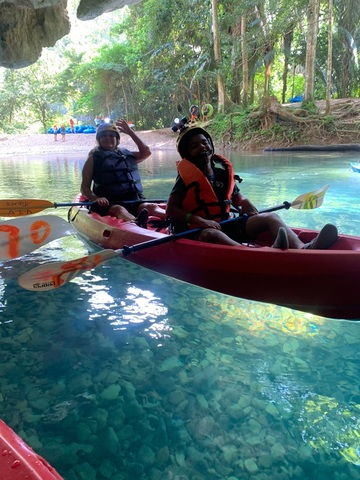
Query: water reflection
point(127, 374)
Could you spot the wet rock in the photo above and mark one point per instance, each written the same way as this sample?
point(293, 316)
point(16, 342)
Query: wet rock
point(176, 397)
point(250, 465)
point(146, 455)
point(160, 437)
point(107, 469)
point(79, 383)
point(110, 441)
point(163, 456)
point(111, 392)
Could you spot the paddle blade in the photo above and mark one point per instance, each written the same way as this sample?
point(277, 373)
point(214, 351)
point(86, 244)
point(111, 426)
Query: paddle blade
point(21, 207)
point(54, 275)
point(20, 236)
point(310, 200)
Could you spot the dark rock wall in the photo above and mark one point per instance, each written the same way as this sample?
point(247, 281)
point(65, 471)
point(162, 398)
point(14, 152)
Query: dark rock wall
point(27, 26)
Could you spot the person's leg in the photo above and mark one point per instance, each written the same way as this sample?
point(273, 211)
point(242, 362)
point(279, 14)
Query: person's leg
point(120, 212)
point(210, 235)
point(154, 210)
point(271, 222)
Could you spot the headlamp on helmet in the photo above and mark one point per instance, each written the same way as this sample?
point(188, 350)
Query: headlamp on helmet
point(186, 131)
point(179, 124)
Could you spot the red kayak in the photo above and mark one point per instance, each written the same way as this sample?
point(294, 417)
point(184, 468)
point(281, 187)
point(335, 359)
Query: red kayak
point(323, 282)
point(19, 461)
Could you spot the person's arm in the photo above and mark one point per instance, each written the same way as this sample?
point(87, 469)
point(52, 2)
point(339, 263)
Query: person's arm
point(144, 151)
point(246, 206)
point(87, 174)
point(174, 210)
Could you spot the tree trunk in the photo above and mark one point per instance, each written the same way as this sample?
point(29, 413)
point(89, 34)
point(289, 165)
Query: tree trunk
point(267, 78)
point(329, 65)
point(235, 67)
point(288, 37)
point(125, 102)
point(311, 43)
point(245, 64)
point(217, 57)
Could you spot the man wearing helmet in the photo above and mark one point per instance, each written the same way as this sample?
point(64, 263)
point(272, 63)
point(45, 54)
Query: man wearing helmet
point(111, 175)
point(204, 191)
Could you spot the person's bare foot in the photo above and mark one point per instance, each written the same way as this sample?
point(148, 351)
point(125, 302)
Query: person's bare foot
point(281, 240)
point(328, 236)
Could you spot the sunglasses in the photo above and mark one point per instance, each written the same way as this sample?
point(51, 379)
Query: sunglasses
point(111, 135)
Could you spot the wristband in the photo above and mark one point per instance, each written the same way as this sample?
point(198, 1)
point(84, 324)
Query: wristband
point(187, 219)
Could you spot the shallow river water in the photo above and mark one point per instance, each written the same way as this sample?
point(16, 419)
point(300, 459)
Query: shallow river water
point(125, 374)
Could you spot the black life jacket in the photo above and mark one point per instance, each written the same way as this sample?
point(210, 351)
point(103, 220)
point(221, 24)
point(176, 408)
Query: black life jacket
point(116, 175)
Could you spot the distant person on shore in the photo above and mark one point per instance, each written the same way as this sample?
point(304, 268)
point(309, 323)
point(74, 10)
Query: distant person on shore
point(63, 131)
point(111, 175)
point(205, 112)
point(97, 121)
point(72, 125)
point(194, 113)
point(55, 130)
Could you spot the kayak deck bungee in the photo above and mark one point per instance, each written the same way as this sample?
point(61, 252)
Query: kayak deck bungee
point(322, 282)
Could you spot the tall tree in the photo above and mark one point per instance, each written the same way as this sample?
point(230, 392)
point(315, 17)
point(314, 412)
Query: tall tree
point(287, 41)
point(329, 62)
point(311, 42)
point(217, 56)
point(347, 15)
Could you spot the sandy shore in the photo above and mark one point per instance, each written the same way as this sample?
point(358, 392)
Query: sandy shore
point(82, 142)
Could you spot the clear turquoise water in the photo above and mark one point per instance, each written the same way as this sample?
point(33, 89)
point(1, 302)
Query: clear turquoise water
point(125, 374)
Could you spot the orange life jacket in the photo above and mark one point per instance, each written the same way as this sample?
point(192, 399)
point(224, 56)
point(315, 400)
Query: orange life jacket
point(200, 197)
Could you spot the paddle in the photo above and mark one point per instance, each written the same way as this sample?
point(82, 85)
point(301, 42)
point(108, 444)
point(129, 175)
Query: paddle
point(20, 236)
point(21, 207)
point(306, 201)
point(53, 275)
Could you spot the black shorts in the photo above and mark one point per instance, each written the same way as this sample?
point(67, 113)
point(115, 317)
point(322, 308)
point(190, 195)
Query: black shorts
point(236, 229)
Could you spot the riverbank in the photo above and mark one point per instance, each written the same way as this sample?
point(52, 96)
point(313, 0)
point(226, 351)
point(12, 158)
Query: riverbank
point(79, 142)
point(345, 130)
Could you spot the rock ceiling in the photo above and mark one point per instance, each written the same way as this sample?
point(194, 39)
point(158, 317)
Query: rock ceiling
point(27, 26)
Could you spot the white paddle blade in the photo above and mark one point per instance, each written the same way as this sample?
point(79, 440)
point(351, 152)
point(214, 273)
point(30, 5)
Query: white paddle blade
point(310, 200)
point(23, 235)
point(54, 275)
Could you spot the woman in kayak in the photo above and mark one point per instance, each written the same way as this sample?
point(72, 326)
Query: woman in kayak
point(205, 190)
point(111, 175)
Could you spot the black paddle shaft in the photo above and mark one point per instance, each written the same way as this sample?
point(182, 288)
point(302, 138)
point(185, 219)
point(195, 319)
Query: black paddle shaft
point(126, 250)
point(285, 205)
point(169, 238)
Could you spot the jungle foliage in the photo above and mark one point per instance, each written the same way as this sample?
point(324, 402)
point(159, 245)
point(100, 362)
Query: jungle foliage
point(159, 59)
